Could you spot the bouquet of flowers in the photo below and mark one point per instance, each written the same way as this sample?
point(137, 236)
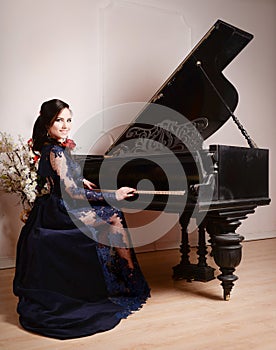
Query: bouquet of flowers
point(18, 170)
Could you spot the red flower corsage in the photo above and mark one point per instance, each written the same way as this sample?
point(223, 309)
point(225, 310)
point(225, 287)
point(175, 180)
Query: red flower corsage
point(30, 145)
point(36, 158)
point(70, 144)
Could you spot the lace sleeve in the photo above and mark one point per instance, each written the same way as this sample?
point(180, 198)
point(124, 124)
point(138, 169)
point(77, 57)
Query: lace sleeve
point(59, 163)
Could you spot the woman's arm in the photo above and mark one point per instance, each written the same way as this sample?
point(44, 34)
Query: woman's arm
point(60, 166)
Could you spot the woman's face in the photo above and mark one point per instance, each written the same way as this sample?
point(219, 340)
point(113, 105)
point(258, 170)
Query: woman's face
point(61, 126)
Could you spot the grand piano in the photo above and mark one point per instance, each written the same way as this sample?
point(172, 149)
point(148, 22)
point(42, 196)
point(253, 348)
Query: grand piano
point(161, 154)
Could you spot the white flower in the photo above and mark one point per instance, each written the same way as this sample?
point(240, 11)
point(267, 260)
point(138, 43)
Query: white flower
point(18, 167)
point(12, 170)
point(25, 172)
point(33, 176)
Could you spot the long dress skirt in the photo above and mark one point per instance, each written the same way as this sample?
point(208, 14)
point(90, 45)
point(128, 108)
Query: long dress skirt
point(68, 284)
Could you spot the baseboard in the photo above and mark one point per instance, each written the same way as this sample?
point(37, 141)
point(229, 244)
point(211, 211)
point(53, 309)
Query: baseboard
point(193, 240)
point(7, 262)
point(259, 235)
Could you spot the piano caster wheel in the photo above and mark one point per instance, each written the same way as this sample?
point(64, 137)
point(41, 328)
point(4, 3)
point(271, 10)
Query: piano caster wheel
point(227, 297)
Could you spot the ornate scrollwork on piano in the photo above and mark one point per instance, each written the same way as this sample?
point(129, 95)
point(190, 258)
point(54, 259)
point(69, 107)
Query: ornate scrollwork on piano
point(168, 134)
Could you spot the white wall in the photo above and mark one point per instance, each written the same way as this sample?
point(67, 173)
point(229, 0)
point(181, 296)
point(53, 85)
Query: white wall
point(96, 54)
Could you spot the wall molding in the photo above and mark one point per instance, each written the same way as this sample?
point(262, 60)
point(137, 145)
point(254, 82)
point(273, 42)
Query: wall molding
point(146, 36)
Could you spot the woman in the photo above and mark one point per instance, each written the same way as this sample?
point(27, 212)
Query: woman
point(75, 273)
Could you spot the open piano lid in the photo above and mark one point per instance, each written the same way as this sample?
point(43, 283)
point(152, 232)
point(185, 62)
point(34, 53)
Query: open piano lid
point(194, 87)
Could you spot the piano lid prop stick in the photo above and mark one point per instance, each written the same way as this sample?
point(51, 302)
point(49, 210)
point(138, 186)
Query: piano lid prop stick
point(249, 140)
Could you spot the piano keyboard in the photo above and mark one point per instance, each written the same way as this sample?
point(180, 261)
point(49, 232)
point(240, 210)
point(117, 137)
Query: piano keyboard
point(168, 193)
point(174, 193)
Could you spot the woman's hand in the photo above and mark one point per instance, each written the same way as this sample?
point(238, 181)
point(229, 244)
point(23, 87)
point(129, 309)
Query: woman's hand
point(88, 184)
point(124, 192)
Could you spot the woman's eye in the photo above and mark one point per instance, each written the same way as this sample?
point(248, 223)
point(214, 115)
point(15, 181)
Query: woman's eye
point(60, 120)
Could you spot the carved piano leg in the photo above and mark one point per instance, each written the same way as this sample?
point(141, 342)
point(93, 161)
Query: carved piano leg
point(203, 272)
point(185, 270)
point(227, 250)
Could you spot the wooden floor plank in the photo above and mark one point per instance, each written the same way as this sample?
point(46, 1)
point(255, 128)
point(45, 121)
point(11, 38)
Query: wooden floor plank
point(179, 315)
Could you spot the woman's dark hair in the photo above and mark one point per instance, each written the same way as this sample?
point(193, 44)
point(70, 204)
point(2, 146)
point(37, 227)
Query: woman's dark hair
point(48, 113)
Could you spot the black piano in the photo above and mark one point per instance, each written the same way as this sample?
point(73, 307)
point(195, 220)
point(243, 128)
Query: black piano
point(161, 154)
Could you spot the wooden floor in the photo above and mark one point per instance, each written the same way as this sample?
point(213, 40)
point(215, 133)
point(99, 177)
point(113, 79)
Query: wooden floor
point(179, 315)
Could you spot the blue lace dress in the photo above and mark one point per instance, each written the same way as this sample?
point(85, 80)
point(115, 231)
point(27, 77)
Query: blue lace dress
point(76, 273)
